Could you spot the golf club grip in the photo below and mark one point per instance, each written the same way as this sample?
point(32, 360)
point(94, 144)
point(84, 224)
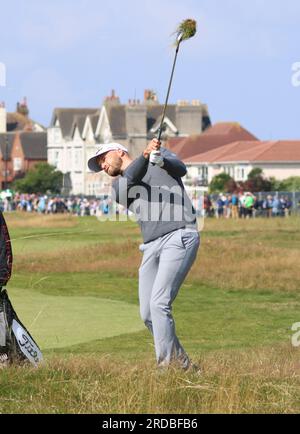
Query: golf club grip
point(159, 134)
point(153, 163)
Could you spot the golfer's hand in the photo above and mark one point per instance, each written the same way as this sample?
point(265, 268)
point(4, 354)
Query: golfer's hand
point(154, 145)
point(156, 158)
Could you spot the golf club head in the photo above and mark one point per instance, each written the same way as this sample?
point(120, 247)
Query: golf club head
point(179, 38)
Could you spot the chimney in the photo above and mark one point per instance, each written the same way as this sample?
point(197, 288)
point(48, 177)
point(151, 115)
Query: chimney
point(3, 119)
point(146, 94)
point(113, 99)
point(189, 118)
point(22, 107)
point(136, 120)
point(150, 96)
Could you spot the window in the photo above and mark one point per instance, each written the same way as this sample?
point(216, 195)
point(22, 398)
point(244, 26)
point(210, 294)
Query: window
point(241, 173)
point(203, 171)
point(56, 157)
point(69, 157)
point(56, 135)
point(53, 157)
point(77, 159)
point(17, 164)
point(228, 170)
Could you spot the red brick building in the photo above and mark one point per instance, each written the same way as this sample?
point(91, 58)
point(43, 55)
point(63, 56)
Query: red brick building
point(19, 152)
point(23, 143)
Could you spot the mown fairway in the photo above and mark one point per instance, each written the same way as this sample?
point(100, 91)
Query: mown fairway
point(74, 286)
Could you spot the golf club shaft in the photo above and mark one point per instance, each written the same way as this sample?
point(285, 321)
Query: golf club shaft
point(168, 93)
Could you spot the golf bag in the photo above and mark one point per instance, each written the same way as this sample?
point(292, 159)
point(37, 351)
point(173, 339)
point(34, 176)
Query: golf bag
point(16, 343)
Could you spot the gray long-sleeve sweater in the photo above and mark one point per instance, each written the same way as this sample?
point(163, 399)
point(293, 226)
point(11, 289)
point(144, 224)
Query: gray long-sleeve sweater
point(156, 196)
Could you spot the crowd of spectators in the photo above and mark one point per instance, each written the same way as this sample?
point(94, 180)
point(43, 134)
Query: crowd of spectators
point(44, 204)
point(246, 205)
point(237, 205)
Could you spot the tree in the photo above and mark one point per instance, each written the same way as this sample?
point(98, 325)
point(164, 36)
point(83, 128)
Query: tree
point(231, 186)
point(43, 178)
point(290, 184)
point(257, 184)
point(256, 181)
point(219, 182)
point(257, 171)
point(275, 184)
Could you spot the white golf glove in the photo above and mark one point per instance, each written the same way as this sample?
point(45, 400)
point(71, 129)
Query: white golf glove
point(156, 158)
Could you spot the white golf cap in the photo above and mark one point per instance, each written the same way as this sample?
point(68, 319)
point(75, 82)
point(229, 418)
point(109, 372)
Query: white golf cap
point(92, 163)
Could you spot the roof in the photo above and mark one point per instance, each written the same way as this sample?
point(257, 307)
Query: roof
point(117, 119)
point(154, 113)
point(66, 118)
point(17, 121)
point(117, 116)
point(94, 121)
point(173, 142)
point(3, 143)
point(214, 137)
point(166, 122)
point(252, 151)
point(226, 128)
point(34, 145)
point(69, 117)
point(79, 121)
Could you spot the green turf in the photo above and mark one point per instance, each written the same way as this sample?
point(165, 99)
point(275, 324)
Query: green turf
point(100, 357)
point(87, 231)
point(57, 322)
point(206, 318)
point(103, 305)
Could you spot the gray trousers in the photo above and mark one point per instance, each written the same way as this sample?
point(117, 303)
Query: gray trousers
point(166, 262)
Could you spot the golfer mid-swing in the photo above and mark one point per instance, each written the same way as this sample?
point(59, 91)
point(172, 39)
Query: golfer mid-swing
point(151, 187)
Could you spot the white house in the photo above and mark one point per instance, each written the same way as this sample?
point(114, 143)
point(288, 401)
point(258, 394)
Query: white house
point(74, 135)
point(279, 159)
point(65, 147)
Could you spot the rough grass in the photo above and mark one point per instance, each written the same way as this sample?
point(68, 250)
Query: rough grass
point(260, 381)
point(247, 258)
point(233, 314)
point(25, 220)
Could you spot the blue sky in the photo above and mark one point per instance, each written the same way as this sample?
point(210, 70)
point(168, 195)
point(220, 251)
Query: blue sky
point(64, 53)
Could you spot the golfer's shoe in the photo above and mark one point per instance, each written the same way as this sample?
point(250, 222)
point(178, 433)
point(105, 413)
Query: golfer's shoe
point(182, 363)
point(194, 368)
point(4, 361)
point(187, 365)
